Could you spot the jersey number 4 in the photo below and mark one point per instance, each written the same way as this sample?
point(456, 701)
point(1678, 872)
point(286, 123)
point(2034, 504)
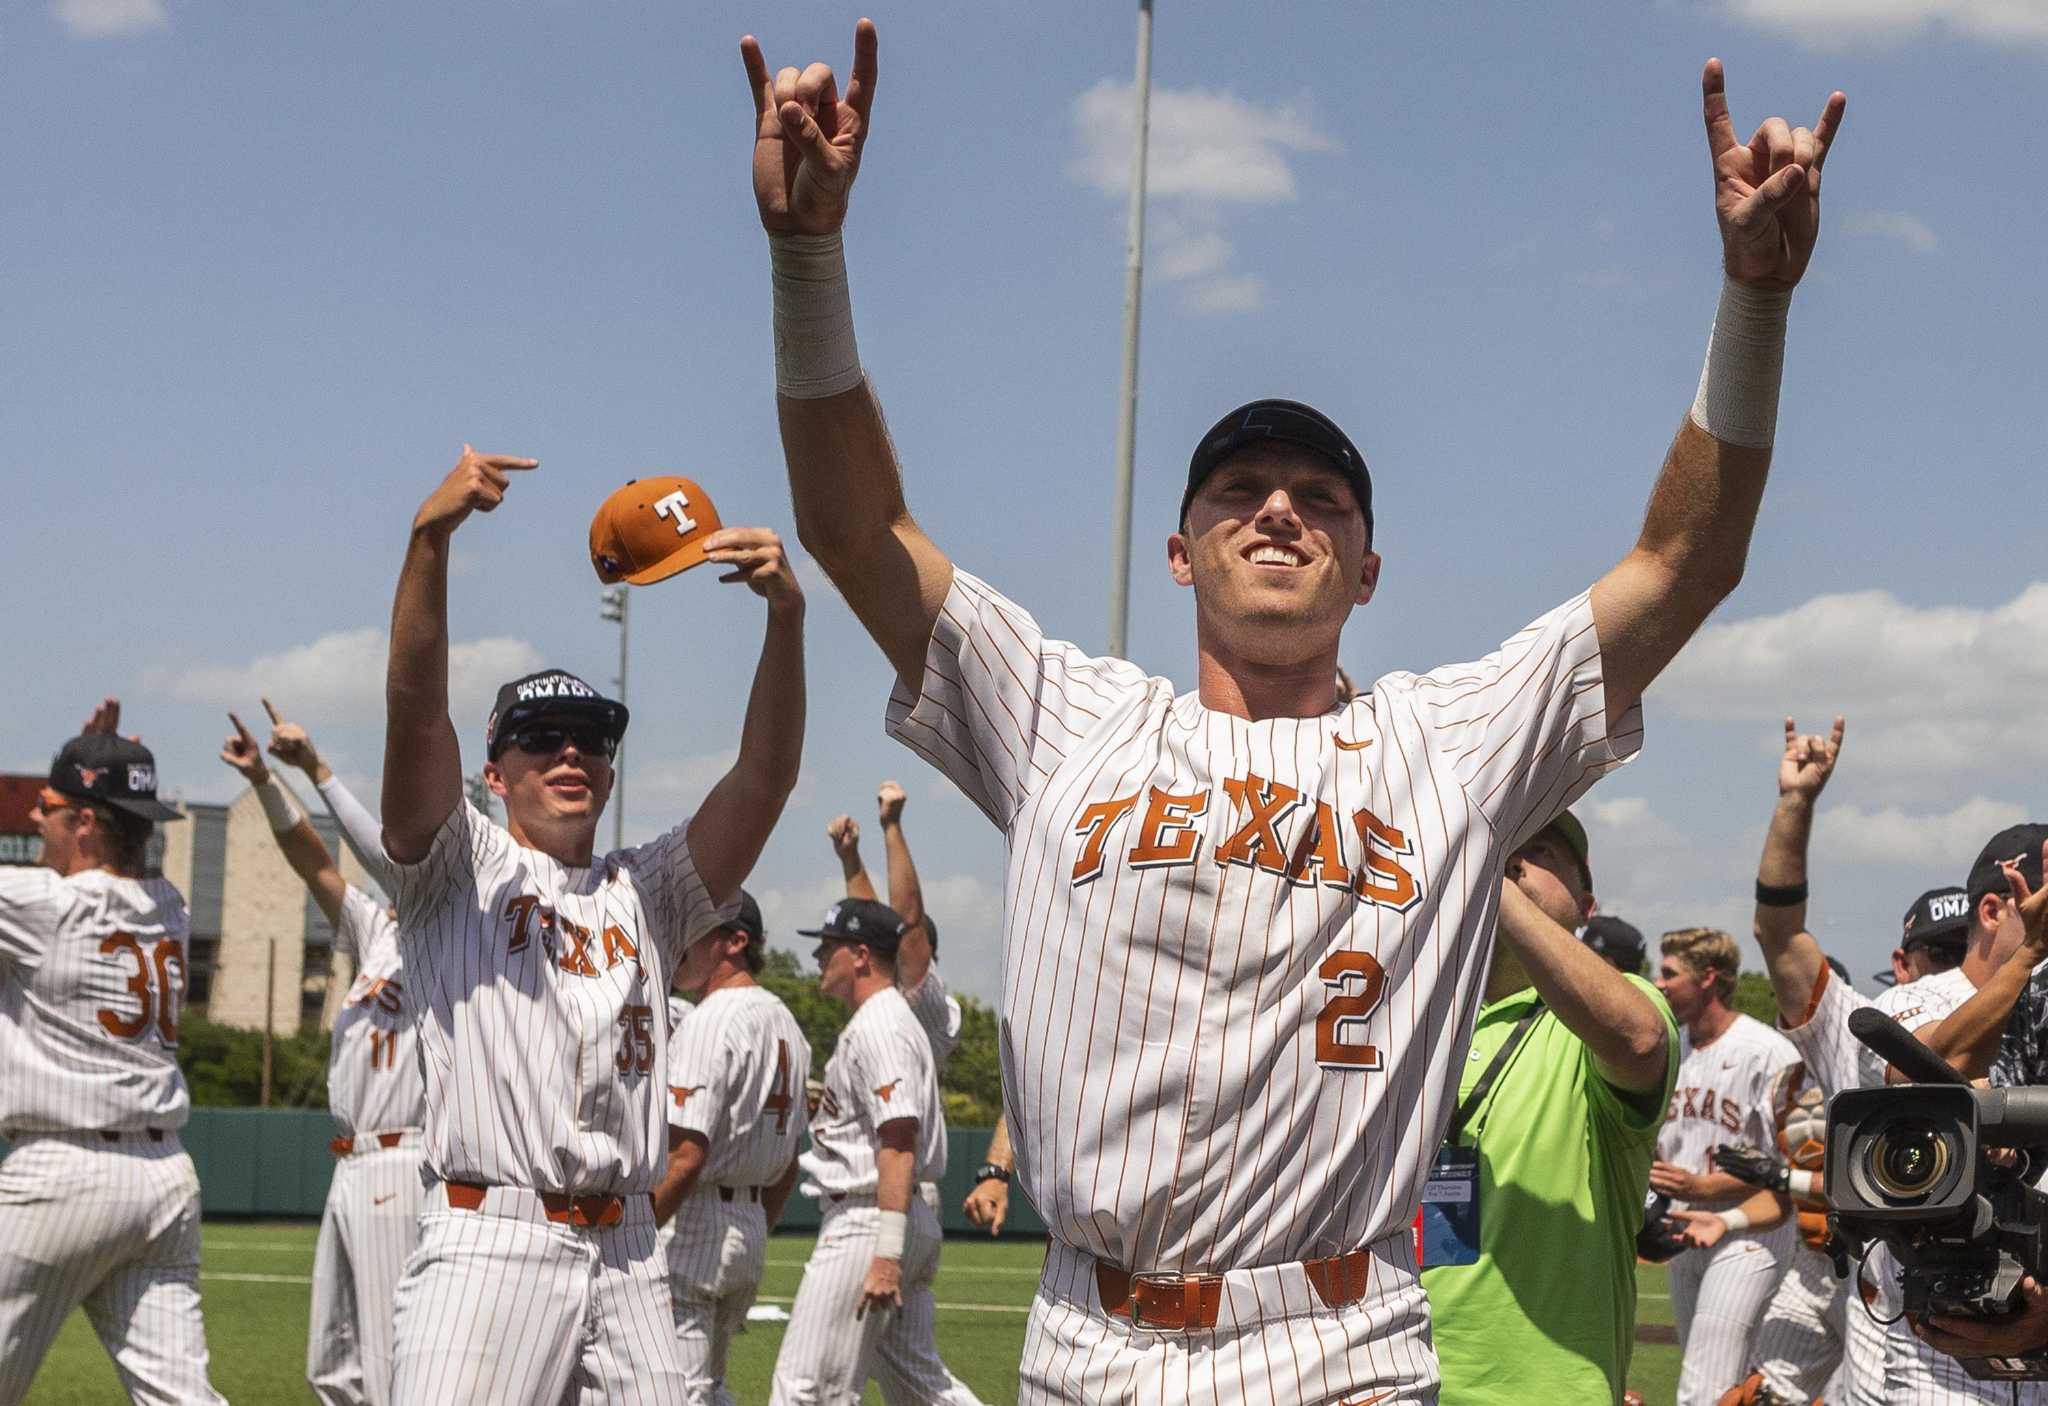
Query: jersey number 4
point(1356, 982)
point(778, 1100)
point(158, 998)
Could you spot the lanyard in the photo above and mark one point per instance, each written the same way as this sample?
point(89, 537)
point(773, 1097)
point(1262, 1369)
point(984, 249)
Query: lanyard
point(1473, 1100)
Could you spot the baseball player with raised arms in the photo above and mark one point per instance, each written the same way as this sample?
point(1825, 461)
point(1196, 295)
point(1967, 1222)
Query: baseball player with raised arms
point(541, 966)
point(99, 1204)
point(1247, 928)
point(1741, 1238)
point(864, 1308)
point(736, 1067)
point(1884, 1362)
point(374, 1093)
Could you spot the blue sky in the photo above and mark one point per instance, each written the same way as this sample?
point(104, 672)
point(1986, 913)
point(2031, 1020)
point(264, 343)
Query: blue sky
point(266, 268)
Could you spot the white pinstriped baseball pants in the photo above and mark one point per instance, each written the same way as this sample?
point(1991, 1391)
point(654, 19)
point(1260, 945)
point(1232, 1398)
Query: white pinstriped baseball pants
point(715, 1251)
point(502, 1307)
point(1717, 1297)
point(1801, 1340)
point(1275, 1340)
point(366, 1233)
point(828, 1354)
point(112, 1227)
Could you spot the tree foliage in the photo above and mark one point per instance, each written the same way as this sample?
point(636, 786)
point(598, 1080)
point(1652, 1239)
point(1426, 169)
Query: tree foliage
point(224, 1066)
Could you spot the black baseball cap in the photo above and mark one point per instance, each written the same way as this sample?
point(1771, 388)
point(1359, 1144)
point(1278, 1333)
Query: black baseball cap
point(1618, 943)
point(1287, 422)
point(873, 925)
point(551, 693)
point(747, 919)
point(1939, 918)
point(2021, 842)
point(110, 771)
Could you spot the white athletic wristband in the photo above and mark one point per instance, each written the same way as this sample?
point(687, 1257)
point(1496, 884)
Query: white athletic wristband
point(1806, 1184)
point(890, 1229)
point(278, 806)
point(1735, 1221)
point(1738, 396)
point(815, 353)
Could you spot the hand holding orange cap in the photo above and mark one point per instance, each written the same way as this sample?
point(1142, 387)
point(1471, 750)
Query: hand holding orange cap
point(651, 529)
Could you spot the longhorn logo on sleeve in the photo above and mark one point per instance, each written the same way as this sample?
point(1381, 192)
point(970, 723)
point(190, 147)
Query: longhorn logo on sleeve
point(887, 1091)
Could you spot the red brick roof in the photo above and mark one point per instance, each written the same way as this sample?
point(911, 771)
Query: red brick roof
point(17, 799)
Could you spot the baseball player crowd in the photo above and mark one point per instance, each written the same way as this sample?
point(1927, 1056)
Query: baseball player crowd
point(1326, 1077)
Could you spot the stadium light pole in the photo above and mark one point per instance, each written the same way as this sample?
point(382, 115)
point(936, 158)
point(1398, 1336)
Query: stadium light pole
point(613, 607)
point(1134, 282)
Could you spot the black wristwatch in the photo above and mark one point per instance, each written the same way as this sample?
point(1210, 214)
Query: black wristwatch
point(989, 1171)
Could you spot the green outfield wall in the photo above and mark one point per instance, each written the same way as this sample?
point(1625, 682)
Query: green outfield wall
point(274, 1163)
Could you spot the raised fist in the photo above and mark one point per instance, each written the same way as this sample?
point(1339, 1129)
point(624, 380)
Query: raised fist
point(889, 800)
point(844, 833)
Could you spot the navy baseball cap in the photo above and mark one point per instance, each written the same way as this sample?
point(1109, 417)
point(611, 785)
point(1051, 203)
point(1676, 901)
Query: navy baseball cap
point(873, 925)
point(1285, 422)
point(2020, 842)
point(1619, 944)
point(110, 771)
point(551, 693)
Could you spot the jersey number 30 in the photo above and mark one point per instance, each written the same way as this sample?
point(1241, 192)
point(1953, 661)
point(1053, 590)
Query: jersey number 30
point(159, 1000)
point(1356, 982)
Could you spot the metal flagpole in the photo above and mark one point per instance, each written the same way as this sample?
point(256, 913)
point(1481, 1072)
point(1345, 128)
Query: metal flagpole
point(1134, 279)
point(613, 607)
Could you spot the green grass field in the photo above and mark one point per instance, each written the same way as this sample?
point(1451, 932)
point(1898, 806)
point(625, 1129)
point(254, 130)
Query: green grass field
point(256, 1279)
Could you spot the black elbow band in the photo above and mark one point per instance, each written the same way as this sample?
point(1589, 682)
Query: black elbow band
point(1776, 896)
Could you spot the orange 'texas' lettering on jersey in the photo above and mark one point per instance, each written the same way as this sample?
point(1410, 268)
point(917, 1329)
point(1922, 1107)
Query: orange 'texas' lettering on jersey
point(385, 991)
point(1168, 815)
point(1320, 854)
point(575, 952)
point(1345, 744)
point(1093, 827)
point(682, 1095)
point(618, 946)
point(1384, 880)
point(1256, 841)
point(1701, 1103)
point(520, 908)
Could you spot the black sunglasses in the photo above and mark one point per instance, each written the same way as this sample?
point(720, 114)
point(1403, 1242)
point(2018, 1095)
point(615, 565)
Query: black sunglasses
point(546, 739)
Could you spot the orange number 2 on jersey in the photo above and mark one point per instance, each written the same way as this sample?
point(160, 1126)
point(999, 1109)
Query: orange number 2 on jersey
point(1357, 982)
point(778, 1100)
point(160, 999)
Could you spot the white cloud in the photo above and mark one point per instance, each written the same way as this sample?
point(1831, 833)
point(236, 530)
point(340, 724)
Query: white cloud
point(1208, 153)
point(110, 19)
point(1897, 225)
point(1926, 688)
point(672, 786)
point(339, 677)
point(1944, 842)
point(1840, 24)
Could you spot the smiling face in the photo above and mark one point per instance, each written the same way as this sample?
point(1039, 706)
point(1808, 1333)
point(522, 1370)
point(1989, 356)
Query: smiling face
point(838, 967)
point(1687, 992)
point(555, 795)
point(1275, 547)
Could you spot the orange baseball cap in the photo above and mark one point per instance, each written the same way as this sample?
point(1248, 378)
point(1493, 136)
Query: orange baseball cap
point(651, 529)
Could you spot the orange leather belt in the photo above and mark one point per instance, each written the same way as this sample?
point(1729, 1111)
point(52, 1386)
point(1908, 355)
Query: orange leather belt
point(590, 1212)
point(1186, 1303)
point(744, 1193)
point(153, 1134)
point(343, 1146)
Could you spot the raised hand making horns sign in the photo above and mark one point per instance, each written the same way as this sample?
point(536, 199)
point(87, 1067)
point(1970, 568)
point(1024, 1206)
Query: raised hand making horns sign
point(1767, 193)
point(807, 138)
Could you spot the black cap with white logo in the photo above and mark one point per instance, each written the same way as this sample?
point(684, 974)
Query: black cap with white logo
point(2018, 842)
point(1619, 943)
point(111, 771)
point(1939, 918)
point(551, 693)
point(871, 924)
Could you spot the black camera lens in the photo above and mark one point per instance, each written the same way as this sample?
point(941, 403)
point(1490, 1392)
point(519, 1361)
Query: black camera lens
point(1907, 1159)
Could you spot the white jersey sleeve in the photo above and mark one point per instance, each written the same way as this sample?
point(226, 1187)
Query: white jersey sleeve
point(1836, 1059)
point(360, 830)
point(31, 902)
point(1001, 704)
point(1526, 727)
point(667, 874)
point(937, 1012)
point(467, 844)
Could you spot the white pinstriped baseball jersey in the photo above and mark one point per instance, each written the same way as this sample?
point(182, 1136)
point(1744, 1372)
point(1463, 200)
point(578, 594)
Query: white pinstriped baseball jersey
point(736, 1073)
point(373, 1072)
point(679, 1009)
point(92, 975)
point(1243, 959)
point(540, 990)
point(1724, 1094)
point(937, 1012)
point(1837, 1059)
point(880, 1070)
